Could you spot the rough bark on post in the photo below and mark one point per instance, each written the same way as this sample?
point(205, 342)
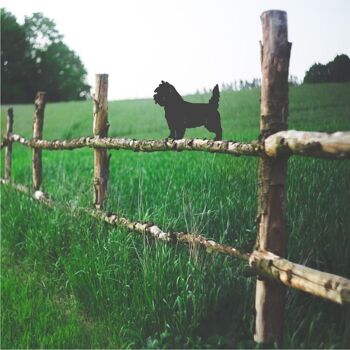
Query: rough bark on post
point(8, 150)
point(100, 129)
point(40, 101)
point(275, 53)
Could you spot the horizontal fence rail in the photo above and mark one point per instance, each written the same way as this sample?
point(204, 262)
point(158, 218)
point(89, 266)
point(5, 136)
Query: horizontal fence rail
point(228, 147)
point(322, 284)
point(309, 143)
point(292, 142)
point(262, 263)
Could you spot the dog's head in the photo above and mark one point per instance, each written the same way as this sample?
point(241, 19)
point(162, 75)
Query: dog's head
point(165, 93)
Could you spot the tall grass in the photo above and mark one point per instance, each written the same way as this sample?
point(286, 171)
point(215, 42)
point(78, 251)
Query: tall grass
point(68, 281)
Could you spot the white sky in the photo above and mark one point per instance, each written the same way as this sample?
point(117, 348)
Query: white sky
point(191, 43)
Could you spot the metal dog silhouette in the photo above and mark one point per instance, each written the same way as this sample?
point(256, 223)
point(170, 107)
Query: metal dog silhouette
point(181, 114)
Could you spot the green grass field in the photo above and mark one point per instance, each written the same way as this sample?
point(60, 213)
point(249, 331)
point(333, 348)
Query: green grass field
point(68, 281)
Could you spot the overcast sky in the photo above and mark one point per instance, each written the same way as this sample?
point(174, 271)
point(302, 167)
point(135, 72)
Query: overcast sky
point(191, 43)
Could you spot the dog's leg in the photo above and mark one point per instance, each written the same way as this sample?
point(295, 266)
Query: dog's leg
point(172, 134)
point(214, 125)
point(180, 132)
point(171, 125)
point(218, 135)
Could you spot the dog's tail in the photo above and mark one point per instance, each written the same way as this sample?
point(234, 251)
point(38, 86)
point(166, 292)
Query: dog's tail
point(214, 101)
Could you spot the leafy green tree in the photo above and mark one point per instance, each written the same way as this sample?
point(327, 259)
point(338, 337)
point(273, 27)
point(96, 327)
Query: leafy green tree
point(69, 81)
point(41, 31)
point(16, 64)
point(336, 71)
point(339, 69)
point(34, 57)
point(317, 74)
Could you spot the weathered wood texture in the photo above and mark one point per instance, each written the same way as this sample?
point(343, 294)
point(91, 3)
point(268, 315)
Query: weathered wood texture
point(229, 147)
point(154, 231)
point(309, 143)
point(38, 124)
point(275, 53)
point(100, 130)
point(265, 264)
point(321, 284)
point(8, 150)
point(22, 140)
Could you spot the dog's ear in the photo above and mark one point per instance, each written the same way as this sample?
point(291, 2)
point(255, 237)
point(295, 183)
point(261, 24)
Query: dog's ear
point(170, 87)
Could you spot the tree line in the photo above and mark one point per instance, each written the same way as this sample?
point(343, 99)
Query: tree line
point(34, 57)
point(237, 85)
point(336, 71)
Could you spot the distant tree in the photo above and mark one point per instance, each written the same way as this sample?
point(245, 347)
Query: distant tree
point(293, 80)
point(34, 57)
point(69, 81)
point(339, 69)
point(235, 88)
point(241, 85)
point(41, 31)
point(16, 63)
point(335, 71)
point(317, 73)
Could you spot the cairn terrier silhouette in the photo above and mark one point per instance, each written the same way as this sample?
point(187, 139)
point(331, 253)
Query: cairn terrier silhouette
point(181, 114)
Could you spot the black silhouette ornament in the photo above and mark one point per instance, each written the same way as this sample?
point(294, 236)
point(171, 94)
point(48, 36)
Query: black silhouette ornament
point(181, 114)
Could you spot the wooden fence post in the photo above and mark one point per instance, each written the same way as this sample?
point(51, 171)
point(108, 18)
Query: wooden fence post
point(38, 123)
point(275, 53)
point(100, 129)
point(8, 150)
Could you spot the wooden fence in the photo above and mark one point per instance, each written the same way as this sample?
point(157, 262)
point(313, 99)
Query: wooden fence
point(276, 144)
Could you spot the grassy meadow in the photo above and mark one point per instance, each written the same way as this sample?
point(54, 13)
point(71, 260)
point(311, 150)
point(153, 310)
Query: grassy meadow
point(68, 281)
